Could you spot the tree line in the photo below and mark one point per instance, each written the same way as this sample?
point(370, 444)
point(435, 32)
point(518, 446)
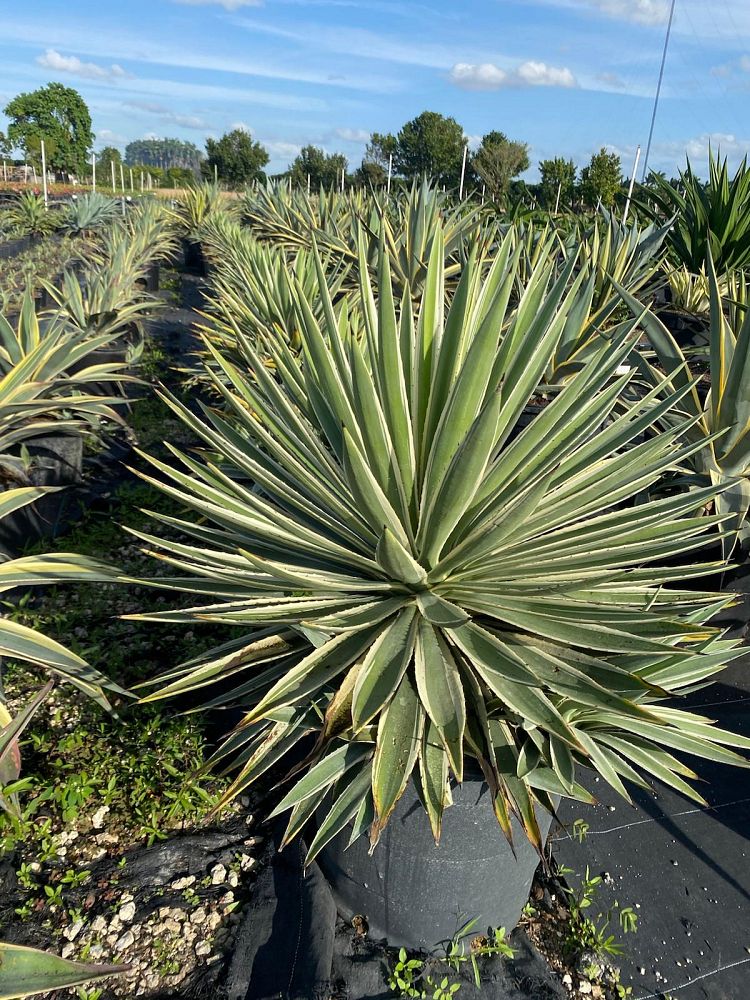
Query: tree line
point(431, 145)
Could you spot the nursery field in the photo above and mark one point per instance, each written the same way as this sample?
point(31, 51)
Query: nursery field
point(361, 553)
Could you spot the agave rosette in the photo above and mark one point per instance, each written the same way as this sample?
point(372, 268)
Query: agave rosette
point(416, 580)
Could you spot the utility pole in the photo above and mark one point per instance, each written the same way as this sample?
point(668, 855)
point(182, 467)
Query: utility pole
point(632, 185)
point(44, 174)
point(658, 90)
point(463, 174)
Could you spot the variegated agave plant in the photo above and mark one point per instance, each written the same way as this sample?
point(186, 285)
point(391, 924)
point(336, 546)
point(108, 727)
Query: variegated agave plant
point(416, 580)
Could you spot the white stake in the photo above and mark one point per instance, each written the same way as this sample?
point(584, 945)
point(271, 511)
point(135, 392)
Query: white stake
point(463, 174)
point(93, 171)
point(216, 173)
point(390, 172)
point(308, 185)
point(484, 188)
point(114, 183)
point(632, 185)
point(343, 179)
point(132, 187)
point(122, 178)
point(557, 201)
point(44, 173)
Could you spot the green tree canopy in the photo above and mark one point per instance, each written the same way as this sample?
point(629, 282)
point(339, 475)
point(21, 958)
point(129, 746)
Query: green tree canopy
point(371, 174)
point(380, 148)
point(104, 161)
point(557, 174)
point(324, 169)
point(57, 115)
point(601, 179)
point(497, 161)
point(236, 158)
point(164, 153)
point(431, 145)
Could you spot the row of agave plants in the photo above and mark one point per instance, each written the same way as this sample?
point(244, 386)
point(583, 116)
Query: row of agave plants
point(455, 475)
point(63, 373)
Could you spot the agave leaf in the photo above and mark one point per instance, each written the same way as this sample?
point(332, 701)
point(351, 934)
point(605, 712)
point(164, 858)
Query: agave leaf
point(26, 971)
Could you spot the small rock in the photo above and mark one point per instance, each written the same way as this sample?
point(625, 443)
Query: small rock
point(198, 916)
point(584, 987)
point(72, 932)
point(126, 912)
point(97, 820)
point(246, 862)
point(202, 948)
point(227, 898)
point(171, 925)
point(68, 949)
point(567, 981)
point(184, 883)
point(98, 925)
point(218, 875)
point(125, 940)
point(214, 919)
point(96, 952)
point(233, 879)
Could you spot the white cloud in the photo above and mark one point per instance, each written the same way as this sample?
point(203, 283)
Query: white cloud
point(488, 76)
point(639, 11)
point(168, 116)
point(54, 60)
point(282, 150)
point(241, 126)
point(611, 80)
point(539, 74)
point(226, 4)
point(352, 134)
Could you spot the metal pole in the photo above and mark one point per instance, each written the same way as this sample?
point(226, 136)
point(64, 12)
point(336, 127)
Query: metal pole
point(390, 172)
point(557, 200)
point(632, 185)
point(93, 171)
point(658, 90)
point(44, 173)
point(463, 174)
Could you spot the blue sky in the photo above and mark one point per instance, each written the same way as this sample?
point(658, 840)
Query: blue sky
point(565, 76)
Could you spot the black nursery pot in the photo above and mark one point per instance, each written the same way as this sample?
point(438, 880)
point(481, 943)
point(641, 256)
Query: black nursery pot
point(687, 329)
point(150, 280)
point(56, 460)
point(416, 894)
point(195, 259)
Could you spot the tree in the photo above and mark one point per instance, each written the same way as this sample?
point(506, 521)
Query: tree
point(370, 174)
point(57, 115)
point(323, 169)
point(557, 174)
point(601, 180)
point(104, 161)
point(164, 153)
point(235, 159)
point(380, 149)
point(497, 161)
point(431, 145)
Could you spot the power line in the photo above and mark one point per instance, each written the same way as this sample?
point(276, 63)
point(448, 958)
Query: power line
point(658, 90)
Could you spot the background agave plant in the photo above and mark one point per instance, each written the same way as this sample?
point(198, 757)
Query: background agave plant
point(720, 420)
point(415, 582)
point(90, 213)
point(28, 215)
point(714, 215)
